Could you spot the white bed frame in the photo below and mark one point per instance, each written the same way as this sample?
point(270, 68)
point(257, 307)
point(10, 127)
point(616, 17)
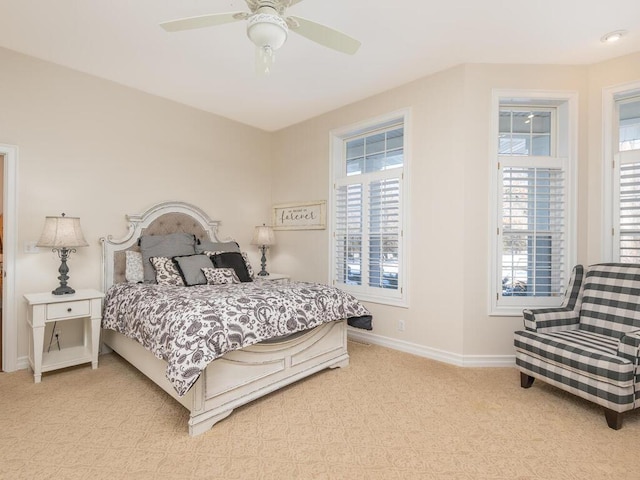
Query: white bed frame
point(237, 377)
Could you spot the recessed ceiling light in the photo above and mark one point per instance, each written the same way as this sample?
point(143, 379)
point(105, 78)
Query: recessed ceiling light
point(613, 37)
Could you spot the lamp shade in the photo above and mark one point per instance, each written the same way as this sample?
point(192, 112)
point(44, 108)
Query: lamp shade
point(263, 235)
point(61, 232)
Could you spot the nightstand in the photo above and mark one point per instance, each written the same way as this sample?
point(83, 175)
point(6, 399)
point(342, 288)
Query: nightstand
point(273, 277)
point(48, 308)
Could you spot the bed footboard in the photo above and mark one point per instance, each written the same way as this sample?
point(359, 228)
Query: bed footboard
point(242, 376)
point(245, 375)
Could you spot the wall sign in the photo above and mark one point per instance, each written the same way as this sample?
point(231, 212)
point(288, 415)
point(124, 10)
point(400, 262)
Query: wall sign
point(300, 216)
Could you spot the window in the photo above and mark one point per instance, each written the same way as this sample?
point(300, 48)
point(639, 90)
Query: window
point(369, 193)
point(532, 201)
point(625, 188)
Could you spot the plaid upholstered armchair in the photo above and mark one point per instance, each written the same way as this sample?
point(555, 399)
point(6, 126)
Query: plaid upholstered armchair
point(590, 346)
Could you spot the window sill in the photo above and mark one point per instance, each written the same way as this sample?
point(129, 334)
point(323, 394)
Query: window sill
point(393, 302)
point(507, 311)
point(516, 310)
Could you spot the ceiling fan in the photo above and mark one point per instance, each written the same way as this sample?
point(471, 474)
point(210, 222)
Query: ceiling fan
point(268, 27)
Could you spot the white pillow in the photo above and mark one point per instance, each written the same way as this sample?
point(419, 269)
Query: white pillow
point(134, 273)
point(166, 271)
point(220, 276)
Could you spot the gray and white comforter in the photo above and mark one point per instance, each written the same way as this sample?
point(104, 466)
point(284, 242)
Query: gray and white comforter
point(191, 326)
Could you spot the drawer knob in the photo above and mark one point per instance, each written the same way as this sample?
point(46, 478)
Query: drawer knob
point(69, 309)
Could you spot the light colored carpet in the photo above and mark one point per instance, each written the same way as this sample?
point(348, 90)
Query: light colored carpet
point(389, 415)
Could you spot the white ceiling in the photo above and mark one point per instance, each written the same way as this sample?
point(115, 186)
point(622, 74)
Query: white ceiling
point(213, 68)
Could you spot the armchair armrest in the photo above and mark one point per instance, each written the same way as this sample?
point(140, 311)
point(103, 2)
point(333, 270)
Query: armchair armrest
point(550, 319)
point(629, 346)
point(565, 317)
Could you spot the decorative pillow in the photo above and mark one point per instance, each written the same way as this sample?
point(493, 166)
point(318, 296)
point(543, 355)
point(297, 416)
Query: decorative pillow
point(220, 276)
point(191, 268)
point(206, 245)
point(248, 264)
point(244, 257)
point(134, 273)
point(236, 260)
point(170, 245)
point(167, 272)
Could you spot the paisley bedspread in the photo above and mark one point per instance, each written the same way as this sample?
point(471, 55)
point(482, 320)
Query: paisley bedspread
point(191, 326)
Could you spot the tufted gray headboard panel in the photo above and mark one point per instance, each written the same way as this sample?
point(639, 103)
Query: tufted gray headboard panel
point(168, 223)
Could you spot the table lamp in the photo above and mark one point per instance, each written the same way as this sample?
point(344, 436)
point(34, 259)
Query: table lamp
point(62, 234)
point(264, 237)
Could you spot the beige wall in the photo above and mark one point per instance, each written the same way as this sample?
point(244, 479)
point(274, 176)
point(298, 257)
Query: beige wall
point(449, 149)
point(483, 334)
point(97, 150)
point(301, 166)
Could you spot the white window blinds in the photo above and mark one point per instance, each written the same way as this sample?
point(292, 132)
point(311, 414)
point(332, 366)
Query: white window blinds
point(367, 257)
point(384, 233)
point(348, 233)
point(533, 224)
point(627, 174)
point(532, 200)
point(629, 213)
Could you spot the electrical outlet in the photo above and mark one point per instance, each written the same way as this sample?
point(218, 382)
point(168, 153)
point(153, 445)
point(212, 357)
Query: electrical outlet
point(401, 325)
point(55, 340)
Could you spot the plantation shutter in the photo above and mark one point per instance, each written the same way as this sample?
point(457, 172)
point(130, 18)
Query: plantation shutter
point(349, 233)
point(629, 241)
point(384, 232)
point(368, 218)
point(628, 176)
point(533, 226)
point(533, 196)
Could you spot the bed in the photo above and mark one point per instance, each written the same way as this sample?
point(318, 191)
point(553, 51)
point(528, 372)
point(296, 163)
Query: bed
point(253, 365)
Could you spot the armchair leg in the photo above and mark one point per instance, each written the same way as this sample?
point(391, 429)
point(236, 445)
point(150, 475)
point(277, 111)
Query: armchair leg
point(526, 380)
point(614, 419)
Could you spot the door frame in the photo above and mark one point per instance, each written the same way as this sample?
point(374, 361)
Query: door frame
point(9, 242)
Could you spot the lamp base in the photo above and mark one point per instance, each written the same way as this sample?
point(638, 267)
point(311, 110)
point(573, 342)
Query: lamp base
point(66, 290)
point(263, 262)
point(63, 289)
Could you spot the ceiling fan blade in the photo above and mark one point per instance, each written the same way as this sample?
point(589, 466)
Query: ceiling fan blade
point(252, 4)
point(324, 35)
point(202, 21)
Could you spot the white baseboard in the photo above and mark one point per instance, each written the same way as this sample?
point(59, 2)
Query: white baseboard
point(22, 363)
point(401, 345)
point(432, 353)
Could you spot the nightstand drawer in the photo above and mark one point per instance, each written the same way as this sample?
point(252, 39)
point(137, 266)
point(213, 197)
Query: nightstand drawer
point(68, 309)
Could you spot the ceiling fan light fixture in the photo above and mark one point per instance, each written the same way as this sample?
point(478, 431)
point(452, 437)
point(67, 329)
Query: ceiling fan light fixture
point(267, 30)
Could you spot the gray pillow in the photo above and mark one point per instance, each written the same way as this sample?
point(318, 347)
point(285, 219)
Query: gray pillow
point(169, 245)
point(191, 268)
point(207, 245)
